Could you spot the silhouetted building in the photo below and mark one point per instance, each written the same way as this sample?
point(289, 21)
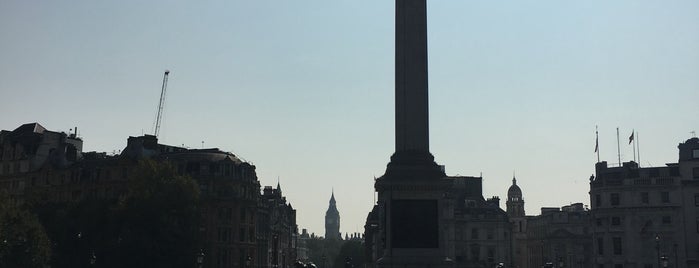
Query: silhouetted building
point(332, 220)
point(229, 192)
point(30, 155)
point(518, 219)
point(559, 236)
point(240, 226)
point(644, 215)
point(482, 235)
point(302, 253)
point(277, 230)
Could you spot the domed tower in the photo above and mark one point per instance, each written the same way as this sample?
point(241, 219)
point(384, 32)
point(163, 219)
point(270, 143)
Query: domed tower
point(332, 220)
point(515, 203)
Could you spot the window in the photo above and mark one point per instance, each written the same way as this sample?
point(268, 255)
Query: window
point(598, 200)
point(474, 233)
point(475, 252)
point(600, 243)
point(667, 219)
point(241, 236)
point(616, 221)
point(615, 199)
point(618, 265)
point(697, 224)
point(665, 197)
point(223, 234)
point(695, 153)
point(616, 244)
point(599, 221)
point(644, 198)
point(696, 198)
point(695, 173)
point(489, 234)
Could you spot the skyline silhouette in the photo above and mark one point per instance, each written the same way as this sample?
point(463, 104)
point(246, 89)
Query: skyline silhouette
point(305, 90)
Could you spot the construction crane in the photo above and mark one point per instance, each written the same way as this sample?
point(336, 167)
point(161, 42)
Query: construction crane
point(161, 105)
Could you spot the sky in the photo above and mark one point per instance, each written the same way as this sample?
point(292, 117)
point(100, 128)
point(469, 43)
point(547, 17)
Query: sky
point(304, 89)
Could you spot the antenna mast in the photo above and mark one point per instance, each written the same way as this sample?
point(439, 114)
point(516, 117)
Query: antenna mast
point(159, 117)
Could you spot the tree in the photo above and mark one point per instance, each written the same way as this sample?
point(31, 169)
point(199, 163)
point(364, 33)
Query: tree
point(23, 241)
point(157, 219)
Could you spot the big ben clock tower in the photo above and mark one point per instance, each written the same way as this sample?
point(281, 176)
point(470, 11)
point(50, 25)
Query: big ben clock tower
point(332, 220)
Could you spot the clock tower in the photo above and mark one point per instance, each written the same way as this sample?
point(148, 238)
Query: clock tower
point(332, 220)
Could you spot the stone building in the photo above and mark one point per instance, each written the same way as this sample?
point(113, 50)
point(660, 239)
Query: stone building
point(332, 220)
point(479, 229)
point(302, 252)
point(241, 227)
point(647, 216)
point(518, 219)
point(559, 237)
point(277, 230)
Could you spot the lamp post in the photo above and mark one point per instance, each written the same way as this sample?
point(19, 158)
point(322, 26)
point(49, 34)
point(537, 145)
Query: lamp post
point(200, 258)
point(657, 248)
point(675, 248)
point(93, 259)
point(664, 261)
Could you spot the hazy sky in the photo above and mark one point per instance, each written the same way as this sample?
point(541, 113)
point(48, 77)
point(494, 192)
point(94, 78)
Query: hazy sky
point(304, 89)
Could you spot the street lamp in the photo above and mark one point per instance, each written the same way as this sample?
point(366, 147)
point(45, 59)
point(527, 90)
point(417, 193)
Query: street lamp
point(93, 258)
point(657, 248)
point(200, 258)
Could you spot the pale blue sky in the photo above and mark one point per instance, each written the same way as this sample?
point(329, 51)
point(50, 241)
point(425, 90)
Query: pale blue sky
point(304, 89)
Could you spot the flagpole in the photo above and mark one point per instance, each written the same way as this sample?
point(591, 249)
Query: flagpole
point(639, 150)
point(597, 143)
point(633, 132)
point(618, 148)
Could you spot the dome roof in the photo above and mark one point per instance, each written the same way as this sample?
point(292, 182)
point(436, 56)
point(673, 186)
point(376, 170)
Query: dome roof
point(514, 190)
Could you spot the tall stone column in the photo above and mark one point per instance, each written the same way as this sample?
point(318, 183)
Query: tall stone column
point(411, 98)
point(415, 212)
point(412, 129)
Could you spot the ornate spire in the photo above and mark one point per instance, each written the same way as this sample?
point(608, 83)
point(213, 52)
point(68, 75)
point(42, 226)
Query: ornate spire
point(279, 187)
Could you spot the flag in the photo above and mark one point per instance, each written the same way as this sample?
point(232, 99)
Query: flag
point(631, 137)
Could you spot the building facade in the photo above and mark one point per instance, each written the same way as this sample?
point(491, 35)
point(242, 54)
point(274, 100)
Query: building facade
point(647, 216)
point(241, 227)
point(518, 219)
point(482, 232)
point(477, 228)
